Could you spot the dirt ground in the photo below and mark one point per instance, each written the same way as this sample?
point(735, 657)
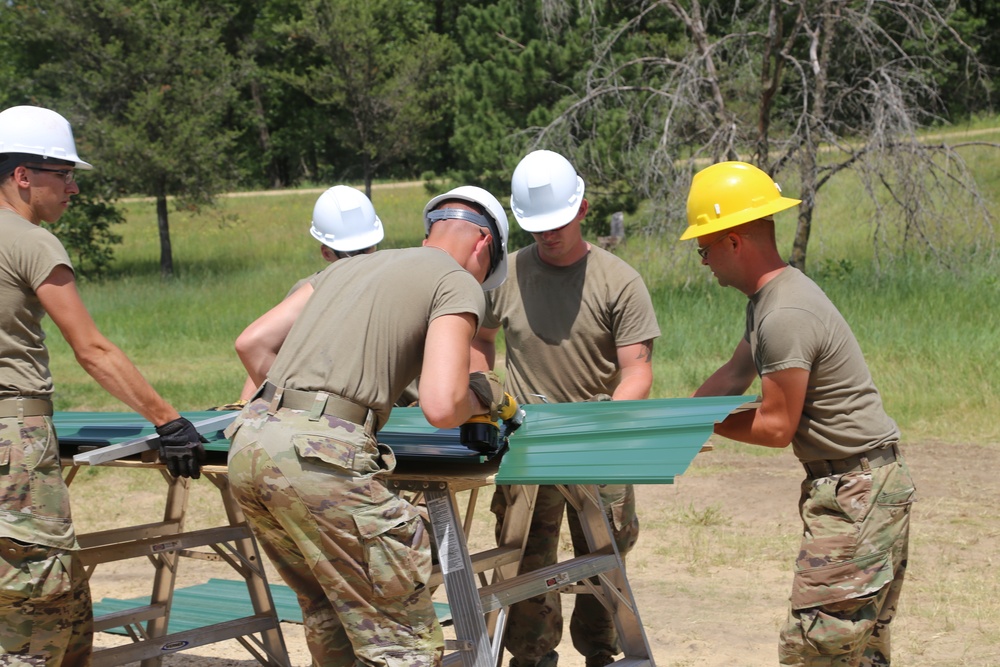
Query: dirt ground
point(712, 569)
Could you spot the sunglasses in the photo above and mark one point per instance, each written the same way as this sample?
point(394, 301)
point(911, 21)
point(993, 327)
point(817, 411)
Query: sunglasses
point(703, 250)
point(68, 175)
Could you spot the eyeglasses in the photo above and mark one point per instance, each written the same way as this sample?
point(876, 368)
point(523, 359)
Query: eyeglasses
point(703, 250)
point(68, 175)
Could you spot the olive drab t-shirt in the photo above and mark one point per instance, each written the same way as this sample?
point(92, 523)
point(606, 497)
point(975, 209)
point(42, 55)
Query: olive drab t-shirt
point(791, 323)
point(563, 325)
point(361, 334)
point(28, 255)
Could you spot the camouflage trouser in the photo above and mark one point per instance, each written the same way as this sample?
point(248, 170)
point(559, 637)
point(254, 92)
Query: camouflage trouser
point(356, 555)
point(46, 616)
point(535, 626)
point(850, 568)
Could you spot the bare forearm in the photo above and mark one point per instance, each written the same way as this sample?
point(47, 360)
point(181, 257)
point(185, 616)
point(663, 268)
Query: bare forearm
point(634, 386)
point(753, 428)
point(109, 366)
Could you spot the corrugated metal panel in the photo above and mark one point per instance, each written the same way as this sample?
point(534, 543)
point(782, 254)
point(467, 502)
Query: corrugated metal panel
point(611, 442)
point(220, 600)
point(648, 441)
point(98, 429)
point(215, 601)
point(407, 432)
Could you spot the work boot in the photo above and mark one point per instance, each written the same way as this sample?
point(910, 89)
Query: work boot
point(550, 659)
point(600, 659)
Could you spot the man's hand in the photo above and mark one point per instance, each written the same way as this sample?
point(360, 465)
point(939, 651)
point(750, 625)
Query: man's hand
point(489, 390)
point(181, 448)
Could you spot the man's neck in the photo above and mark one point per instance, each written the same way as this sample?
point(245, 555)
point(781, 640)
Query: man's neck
point(767, 276)
point(578, 252)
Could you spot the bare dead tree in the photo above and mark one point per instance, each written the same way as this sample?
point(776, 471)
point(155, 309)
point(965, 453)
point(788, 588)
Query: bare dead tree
point(803, 88)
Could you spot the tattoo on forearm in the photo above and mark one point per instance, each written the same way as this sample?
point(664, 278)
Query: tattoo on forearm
point(646, 352)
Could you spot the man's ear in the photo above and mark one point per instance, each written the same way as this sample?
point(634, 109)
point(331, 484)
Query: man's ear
point(582, 212)
point(20, 176)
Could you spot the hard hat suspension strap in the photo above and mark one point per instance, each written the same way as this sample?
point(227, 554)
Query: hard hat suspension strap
point(485, 221)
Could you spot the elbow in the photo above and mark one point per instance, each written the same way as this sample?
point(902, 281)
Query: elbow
point(778, 438)
point(443, 411)
point(247, 349)
point(439, 417)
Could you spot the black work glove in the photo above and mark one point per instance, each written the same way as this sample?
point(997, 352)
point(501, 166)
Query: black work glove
point(180, 448)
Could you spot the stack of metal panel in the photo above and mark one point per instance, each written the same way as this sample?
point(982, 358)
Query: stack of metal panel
point(649, 441)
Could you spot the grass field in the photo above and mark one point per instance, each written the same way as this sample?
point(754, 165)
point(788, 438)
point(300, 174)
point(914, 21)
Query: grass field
point(929, 334)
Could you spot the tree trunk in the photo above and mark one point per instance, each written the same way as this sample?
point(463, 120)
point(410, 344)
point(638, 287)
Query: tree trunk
point(821, 40)
point(366, 166)
point(264, 134)
point(807, 173)
point(166, 254)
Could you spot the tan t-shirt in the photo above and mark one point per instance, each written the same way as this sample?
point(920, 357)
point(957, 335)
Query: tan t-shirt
point(411, 393)
point(792, 324)
point(28, 255)
point(563, 325)
point(361, 334)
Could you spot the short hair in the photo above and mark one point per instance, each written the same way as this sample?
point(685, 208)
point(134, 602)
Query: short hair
point(11, 161)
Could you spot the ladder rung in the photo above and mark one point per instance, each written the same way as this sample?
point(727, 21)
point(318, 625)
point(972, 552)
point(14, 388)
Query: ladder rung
point(534, 583)
point(159, 646)
point(128, 616)
point(483, 561)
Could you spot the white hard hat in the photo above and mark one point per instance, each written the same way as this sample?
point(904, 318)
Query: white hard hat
point(495, 215)
point(344, 220)
point(546, 192)
point(38, 131)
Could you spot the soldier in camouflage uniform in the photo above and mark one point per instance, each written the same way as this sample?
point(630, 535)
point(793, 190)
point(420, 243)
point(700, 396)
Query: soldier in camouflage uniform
point(45, 608)
point(305, 464)
point(817, 394)
point(579, 325)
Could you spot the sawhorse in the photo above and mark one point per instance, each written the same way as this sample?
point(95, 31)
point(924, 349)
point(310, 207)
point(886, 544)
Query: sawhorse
point(164, 543)
point(479, 608)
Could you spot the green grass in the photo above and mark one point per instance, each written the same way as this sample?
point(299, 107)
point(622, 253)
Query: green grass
point(929, 335)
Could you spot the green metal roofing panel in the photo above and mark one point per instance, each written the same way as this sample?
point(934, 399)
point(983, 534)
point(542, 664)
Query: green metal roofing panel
point(216, 601)
point(636, 442)
point(110, 428)
point(649, 441)
point(220, 600)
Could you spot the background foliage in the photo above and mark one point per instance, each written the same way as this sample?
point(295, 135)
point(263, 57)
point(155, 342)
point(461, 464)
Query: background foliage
point(182, 100)
point(928, 334)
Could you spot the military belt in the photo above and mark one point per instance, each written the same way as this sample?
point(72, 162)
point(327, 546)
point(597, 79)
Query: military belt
point(316, 403)
point(875, 458)
point(19, 406)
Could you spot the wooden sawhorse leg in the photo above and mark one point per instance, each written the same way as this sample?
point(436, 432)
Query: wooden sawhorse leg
point(164, 543)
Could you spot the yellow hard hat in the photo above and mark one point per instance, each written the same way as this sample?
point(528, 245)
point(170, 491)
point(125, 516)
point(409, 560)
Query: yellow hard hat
point(728, 194)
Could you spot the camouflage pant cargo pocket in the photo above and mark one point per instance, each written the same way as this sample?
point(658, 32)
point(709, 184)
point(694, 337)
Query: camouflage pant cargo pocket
point(840, 582)
point(396, 548)
point(322, 449)
point(836, 629)
point(35, 573)
point(33, 494)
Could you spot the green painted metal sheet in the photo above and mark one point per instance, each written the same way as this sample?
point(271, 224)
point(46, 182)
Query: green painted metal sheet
point(636, 442)
point(220, 600)
point(109, 428)
point(650, 441)
point(215, 601)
